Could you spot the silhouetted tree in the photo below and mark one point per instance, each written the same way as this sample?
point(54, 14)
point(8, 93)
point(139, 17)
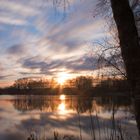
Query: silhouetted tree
point(32, 83)
point(130, 47)
point(83, 83)
point(129, 43)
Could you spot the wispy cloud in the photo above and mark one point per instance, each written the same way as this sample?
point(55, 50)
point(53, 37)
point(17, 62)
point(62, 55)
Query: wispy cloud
point(54, 66)
point(4, 76)
point(12, 21)
point(37, 39)
point(18, 7)
point(16, 50)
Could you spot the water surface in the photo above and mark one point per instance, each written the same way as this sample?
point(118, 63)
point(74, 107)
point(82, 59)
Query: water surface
point(72, 117)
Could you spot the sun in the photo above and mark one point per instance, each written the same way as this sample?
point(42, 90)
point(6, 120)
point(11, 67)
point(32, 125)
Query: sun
point(62, 77)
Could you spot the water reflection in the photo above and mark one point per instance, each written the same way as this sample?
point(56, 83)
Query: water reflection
point(94, 117)
point(62, 97)
point(61, 108)
point(62, 103)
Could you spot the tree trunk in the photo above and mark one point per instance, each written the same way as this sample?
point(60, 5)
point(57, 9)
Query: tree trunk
point(130, 48)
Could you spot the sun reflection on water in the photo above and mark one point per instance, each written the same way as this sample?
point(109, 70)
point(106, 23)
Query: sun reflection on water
point(62, 97)
point(62, 108)
point(62, 105)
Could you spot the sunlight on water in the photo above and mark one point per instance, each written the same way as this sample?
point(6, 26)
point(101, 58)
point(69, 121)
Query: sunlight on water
point(62, 108)
point(66, 114)
point(62, 105)
point(62, 97)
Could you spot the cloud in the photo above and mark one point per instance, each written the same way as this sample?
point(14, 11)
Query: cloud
point(2, 77)
point(77, 28)
point(36, 39)
point(55, 66)
point(18, 7)
point(16, 50)
point(12, 21)
point(29, 63)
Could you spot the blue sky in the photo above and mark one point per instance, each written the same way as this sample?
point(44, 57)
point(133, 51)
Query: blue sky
point(39, 39)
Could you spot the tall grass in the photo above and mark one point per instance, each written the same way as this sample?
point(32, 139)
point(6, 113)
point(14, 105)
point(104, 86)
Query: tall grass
point(109, 129)
point(55, 136)
point(107, 132)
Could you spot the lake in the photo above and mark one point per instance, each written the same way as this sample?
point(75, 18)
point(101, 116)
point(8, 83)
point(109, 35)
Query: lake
point(62, 117)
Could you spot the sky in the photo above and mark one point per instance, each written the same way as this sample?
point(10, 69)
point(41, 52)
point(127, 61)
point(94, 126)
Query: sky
point(40, 39)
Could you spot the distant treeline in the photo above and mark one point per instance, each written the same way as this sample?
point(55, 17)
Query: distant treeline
point(79, 85)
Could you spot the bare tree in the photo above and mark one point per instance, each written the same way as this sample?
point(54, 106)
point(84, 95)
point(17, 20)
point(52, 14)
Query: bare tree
point(125, 22)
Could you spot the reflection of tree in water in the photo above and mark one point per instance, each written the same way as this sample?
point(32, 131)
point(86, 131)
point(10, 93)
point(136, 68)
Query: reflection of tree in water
point(91, 106)
point(84, 104)
point(80, 104)
point(26, 103)
point(117, 102)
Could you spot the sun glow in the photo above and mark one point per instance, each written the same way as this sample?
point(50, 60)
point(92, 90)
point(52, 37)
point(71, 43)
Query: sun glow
point(61, 107)
point(62, 97)
point(62, 77)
